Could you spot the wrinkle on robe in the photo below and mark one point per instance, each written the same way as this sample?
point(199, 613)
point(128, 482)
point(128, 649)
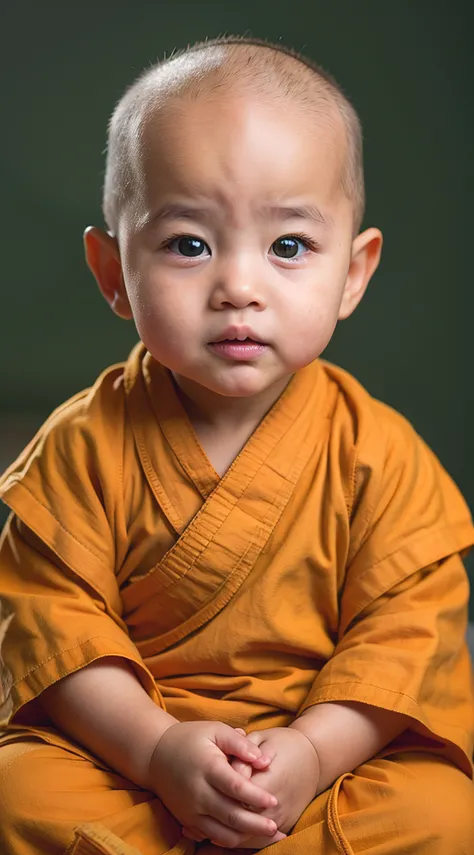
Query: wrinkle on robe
point(323, 566)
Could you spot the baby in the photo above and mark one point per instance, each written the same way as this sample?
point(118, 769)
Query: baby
point(231, 584)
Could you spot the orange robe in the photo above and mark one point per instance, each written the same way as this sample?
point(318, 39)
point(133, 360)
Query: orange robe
point(323, 566)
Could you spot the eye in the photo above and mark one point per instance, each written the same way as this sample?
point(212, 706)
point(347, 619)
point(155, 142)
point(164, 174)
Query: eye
point(187, 246)
point(289, 246)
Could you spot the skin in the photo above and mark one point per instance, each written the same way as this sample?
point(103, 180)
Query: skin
point(307, 757)
point(190, 771)
point(227, 161)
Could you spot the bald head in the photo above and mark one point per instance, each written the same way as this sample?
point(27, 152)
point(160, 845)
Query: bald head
point(226, 67)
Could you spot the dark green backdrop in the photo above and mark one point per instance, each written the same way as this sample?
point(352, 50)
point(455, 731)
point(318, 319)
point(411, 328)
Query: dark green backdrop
point(409, 69)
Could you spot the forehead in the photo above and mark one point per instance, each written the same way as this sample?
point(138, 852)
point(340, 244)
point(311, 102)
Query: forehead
point(241, 151)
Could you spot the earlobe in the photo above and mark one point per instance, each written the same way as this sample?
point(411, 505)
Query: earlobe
point(366, 251)
point(103, 259)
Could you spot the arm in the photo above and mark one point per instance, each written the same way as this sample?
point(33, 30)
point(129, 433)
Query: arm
point(345, 735)
point(104, 707)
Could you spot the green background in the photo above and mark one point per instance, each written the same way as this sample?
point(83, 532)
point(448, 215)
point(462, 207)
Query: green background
point(409, 70)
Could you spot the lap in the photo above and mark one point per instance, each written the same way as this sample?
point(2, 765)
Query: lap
point(47, 792)
point(407, 803)
point(410, 802)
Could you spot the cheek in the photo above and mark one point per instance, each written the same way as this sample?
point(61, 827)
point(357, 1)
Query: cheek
point(314, 308)
point(311, 330)
point(311, 317)
point(163, 298)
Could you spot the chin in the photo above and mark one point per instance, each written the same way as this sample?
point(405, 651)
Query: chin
point(237, 391)
point(233, 387)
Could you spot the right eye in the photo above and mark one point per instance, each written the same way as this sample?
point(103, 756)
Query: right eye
point(187, 246)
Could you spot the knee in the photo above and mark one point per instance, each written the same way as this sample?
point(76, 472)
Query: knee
point(21, 782)
point(437, 807)
point(413, 802)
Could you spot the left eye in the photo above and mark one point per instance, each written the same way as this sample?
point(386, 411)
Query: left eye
point(288, 247)
point(188, 246)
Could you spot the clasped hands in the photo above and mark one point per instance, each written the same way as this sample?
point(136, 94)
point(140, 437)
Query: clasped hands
point(235, 790)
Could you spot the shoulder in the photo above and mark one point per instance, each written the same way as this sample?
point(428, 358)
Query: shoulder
point(368, 436)
point(362, 414)
point(79, 426)
point(66, 486)
point(394, 473)
point(405, 511)
point(379, 436)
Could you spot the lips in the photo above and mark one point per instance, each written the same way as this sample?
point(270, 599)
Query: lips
point(238, 333)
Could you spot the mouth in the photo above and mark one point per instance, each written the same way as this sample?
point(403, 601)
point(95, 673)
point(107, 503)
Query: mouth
point(238, 344)
point(241, 335)
point(237, 341)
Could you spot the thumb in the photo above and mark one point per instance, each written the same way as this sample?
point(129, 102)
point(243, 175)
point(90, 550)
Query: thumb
point(231, 742)
point(268, 754)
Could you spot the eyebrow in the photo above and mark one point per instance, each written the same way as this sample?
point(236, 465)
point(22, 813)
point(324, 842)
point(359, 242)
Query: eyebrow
point(178, 212)
point(276, 212)
point(303, 212)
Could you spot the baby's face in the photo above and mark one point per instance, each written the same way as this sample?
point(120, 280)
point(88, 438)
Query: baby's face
point(236, 259)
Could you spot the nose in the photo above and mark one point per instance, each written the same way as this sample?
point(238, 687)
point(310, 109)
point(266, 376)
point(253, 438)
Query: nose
point(237, 284)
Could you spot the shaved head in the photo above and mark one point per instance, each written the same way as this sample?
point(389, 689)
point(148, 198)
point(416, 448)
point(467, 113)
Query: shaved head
point(229, 66)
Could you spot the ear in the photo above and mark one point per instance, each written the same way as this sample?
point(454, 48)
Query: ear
point(103, 258)
point(366, 250)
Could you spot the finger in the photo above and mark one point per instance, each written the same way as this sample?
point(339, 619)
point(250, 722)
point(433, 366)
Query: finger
point(262, 762)
point(244, 769)
point(223, 778)
point(229, 824)
point(231, 742)
point(258, 737)
point(259, 764)
point(234, 815)
point(193, 834)
point(221, 835)
point(261, 842)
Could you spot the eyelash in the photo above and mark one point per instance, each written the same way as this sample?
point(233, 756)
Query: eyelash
point(176, 236)
point(305, 239)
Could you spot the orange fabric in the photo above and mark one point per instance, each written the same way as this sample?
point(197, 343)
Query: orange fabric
point(408, 804)
point(323, 566)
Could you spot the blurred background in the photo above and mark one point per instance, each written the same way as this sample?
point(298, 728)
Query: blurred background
point(408, 67)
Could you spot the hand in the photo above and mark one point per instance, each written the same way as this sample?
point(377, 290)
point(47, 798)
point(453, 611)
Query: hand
point(190, 772)
point(292, 777)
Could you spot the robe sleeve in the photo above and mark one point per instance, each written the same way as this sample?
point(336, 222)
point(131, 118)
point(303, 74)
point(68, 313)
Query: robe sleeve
point(58, 586)
point(403, 603)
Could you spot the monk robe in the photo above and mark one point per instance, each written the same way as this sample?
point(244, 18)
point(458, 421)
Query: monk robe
point(324, 566)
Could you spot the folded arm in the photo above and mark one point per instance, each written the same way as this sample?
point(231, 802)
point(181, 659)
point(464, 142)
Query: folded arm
point(104, 707)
